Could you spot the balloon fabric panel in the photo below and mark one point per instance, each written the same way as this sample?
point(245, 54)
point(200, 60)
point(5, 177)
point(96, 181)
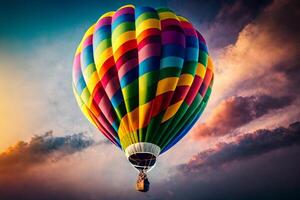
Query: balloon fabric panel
point(142, 75)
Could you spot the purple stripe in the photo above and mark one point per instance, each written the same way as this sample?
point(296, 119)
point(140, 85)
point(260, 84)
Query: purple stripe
point(126, 10)
point(200, 37)
point(173, 37)
point(189, 32)
point(102, 22)
point(169, 22)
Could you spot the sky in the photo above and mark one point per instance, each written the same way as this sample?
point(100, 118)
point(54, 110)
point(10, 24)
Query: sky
point(246, 145)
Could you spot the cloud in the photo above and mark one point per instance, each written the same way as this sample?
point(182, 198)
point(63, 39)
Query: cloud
point(250, 65)
point(42, 149)
point(237, 111)
point(257, 64)
point(259, 165)
point(219, 21)
point(245, 146)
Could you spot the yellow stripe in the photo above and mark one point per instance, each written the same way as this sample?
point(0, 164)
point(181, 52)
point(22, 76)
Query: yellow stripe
point(89, 70)
point(144, 111)
point(185, 79)
point(147, 24)
point(92, 82)
point(167, 15)
point(85, 95)
point(101, 58)
point(124, 37)
point(127, 6)
point(201, 70)
point(108, 14)
point(181, 18)
point(171, 110)
point(167, 84)
point(134, 120)
point(210, 64)
point(82, 106)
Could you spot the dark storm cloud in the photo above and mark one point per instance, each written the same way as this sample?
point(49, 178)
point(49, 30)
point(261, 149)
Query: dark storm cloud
point(238, 111)
point(245, 146)
point(41, 149)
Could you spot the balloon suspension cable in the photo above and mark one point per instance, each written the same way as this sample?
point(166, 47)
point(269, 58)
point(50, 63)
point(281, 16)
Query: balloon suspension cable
point(142, 183)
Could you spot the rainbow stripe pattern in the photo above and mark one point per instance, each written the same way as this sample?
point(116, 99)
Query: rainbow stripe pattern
point(142, 75)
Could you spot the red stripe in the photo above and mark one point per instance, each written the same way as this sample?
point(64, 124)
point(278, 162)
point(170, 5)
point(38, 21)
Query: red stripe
point(180, 93)
point(110, 62)
point(127, 56)
point(98, 93)
point(127, 46)
point(168, 22)
point(148, 32)
point(149, 40)
point(161, 102)
point(193, 90)
point(110, 74)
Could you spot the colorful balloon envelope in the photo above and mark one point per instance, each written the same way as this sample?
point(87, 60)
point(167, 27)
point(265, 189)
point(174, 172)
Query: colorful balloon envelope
point(142, 76)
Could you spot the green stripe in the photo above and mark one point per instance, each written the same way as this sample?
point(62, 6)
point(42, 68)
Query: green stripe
point(122, 28)
point(181, 120)
point(145, 16)
point(203, 58)
point(169, 72)
point(104, 44)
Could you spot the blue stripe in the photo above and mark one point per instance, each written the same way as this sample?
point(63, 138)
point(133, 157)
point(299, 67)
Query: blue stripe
point(102, 34)
point(150, 64)
point(203, 47)
point(117, 99)
point(115, 126)
point(129, 77)
point(191, 41)
point(173, 50)
point(121, 19)
point(80, 85)
point(87, 56)
point(191, 54)
point(143, 9)
point(171, 62)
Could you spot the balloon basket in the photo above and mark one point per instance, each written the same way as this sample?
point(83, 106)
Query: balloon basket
point(142, 183)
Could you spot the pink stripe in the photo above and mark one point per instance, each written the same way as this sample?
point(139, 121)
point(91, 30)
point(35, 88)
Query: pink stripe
point(102, 129)
point(103, 121)
point(76, 68)
point(126, 10)
point(88, 41)
point(111, 73)
point(105, 105)
point(99, 94)
point(112, 87)
point(127, 66)
point(149, 51)
point(103, 22)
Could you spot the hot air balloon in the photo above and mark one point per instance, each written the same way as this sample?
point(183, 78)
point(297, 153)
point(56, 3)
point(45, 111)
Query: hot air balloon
point(142, 76)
